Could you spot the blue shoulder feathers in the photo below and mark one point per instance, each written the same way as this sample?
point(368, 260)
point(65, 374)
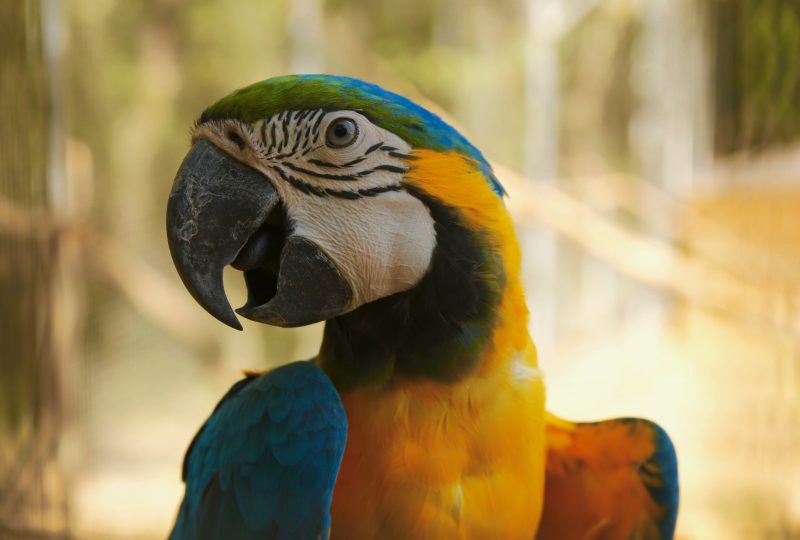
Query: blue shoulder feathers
point(265, 463)
point(662, 468)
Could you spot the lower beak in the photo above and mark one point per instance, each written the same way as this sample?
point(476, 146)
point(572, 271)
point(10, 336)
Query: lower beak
point(222, 212)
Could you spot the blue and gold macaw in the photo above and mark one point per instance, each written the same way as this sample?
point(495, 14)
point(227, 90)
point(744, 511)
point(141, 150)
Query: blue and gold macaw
point(423, 415)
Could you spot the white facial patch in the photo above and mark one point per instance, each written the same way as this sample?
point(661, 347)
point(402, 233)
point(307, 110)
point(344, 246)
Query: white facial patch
point(383, 244)
point(345, 198)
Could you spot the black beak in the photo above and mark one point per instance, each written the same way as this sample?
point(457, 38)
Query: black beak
point(223, 212)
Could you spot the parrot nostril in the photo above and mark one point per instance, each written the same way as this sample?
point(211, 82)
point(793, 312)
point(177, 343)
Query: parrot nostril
point(236, 139)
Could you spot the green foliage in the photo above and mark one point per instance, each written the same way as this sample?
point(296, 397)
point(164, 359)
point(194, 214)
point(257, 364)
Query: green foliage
point(24, 261)
point(598, 101)
point(758, 73)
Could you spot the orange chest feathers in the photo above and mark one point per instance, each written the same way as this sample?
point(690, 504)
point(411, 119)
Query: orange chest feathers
point(428, 460)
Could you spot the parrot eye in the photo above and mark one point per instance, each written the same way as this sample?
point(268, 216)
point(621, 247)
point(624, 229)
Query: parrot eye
point(341, 132)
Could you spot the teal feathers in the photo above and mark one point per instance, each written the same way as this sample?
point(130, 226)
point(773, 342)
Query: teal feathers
point(264, 464)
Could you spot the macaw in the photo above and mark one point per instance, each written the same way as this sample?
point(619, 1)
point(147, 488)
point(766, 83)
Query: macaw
point(423, 414)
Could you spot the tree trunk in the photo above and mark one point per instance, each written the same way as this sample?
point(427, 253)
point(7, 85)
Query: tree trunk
point(32, 495)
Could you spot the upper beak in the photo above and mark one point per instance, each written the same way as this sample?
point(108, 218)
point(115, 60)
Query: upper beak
point(217, 213)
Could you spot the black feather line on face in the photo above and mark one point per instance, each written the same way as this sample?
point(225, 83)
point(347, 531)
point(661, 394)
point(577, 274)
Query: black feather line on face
point(373, 148)
point(436, 330)
point(311, 189)
point(327, 164)
point(285, 131)
point(264, 132)
point(273, 137)
point(345, 177)
point(317, 122)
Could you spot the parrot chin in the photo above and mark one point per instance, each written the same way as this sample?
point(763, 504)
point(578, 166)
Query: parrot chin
point(222, 212)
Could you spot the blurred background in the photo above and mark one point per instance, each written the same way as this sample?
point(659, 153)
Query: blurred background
point(651, 149)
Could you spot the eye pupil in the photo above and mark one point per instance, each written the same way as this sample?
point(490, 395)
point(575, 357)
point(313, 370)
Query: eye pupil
point(341, 132)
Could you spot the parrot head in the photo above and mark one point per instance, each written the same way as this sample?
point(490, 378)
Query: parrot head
point(331, 194)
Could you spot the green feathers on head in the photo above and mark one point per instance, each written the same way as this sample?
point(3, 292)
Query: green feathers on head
point(417, 126)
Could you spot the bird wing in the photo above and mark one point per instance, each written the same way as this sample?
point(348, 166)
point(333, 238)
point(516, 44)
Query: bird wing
point(616, 479)
point(265, 462)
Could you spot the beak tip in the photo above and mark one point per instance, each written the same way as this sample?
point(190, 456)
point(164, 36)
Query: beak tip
point(218, 307)
point(234, 323)
point(211, 195)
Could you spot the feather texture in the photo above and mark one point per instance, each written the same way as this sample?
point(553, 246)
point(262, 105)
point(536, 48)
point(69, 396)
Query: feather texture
point(417, 126)
point(264, 464)
point(610, 480)
point(448, 432)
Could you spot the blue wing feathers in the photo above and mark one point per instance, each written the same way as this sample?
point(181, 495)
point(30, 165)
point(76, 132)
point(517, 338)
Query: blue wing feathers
point(666, 492)
point(624, 474)
point(265, 462)
point(660, 474)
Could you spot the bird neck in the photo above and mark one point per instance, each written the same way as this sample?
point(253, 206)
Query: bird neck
point(466, 315)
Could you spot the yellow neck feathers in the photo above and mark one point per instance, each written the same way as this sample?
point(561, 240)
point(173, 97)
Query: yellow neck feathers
point(458, 182)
